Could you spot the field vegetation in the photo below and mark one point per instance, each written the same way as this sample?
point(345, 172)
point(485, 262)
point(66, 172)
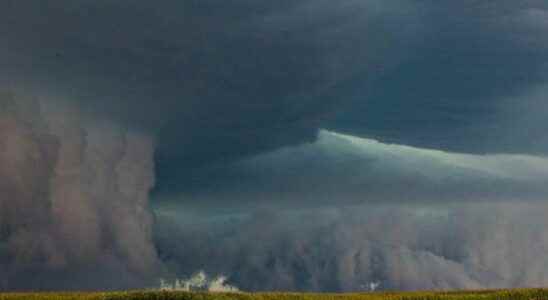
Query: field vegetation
point(521, 294)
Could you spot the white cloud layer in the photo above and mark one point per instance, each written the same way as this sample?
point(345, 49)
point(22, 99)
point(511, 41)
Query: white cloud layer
point(341, 169)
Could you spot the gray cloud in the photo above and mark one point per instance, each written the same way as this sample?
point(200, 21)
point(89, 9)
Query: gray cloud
point(468, 246)
point(473, 57)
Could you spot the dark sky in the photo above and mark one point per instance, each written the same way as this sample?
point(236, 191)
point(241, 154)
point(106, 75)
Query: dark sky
point(244, 117)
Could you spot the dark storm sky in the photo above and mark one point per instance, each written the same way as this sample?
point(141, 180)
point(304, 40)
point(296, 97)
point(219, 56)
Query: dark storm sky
point(222, 80)
point(310, 104)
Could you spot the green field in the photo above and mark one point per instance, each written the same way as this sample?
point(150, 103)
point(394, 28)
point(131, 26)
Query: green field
point(522, 294)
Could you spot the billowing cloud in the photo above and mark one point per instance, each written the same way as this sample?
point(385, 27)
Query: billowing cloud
point(467, 246)
point(74, 199)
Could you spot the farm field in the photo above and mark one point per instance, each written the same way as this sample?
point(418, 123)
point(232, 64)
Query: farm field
point(520, 294)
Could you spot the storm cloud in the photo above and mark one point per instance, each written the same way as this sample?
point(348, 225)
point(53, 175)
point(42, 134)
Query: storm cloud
point(340, 169)
point(218, 110)
point(344, 212)
point(470, 246)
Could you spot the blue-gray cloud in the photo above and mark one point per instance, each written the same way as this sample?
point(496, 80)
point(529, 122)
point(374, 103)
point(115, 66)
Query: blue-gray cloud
point(339, 170)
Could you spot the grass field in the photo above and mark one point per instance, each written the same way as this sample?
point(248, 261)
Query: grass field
point(523, 294)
